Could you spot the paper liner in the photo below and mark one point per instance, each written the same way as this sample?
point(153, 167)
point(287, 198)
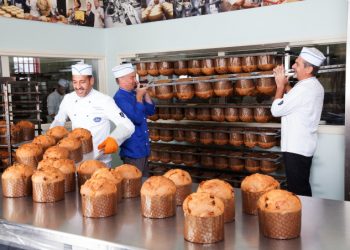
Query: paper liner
point(229, 213)
point(28, 134)
point(69, 182)
point(76, 155)
point(204, 229)
point(48, 192)
point(131, 187)
point(280, 226)
point(99, 206)
point(82, 178)
point(86, 145)
point(182, 192)
point(17, 187)
point(119, 191)
point(249, 202)
point(158, 206)
point(30, 161)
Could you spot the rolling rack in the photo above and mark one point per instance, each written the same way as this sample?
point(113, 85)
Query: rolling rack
point(283, 53)
point(20, 100)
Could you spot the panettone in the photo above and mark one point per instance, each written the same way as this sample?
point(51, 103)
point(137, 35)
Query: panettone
point(85, 137)
point(131, 180)
point(279, 214)
point(29, 154)
point(204, 218)
point(58, 132)
point(113, 176)
point(158, 197)
point(183, 182)
point(99, 198)
point(74, 146)
point(87, 168)
point(48, 185)
point(16, 180)
point(56, 152)
point(222, 190)
point(45, 141)
point(27, 128)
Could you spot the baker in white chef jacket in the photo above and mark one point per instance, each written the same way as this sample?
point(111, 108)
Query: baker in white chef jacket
point(300, 108)
point(90, 109)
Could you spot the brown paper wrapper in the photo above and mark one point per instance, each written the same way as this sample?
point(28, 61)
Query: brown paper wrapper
point(119, 191)
point(48, 192)
point(280, 226)
point(82, 178)
point(102, 206)
point(17, 187)
point(204, 230)
point(76, 155)
point(30, 161)
point(249, 202)
point(131, 187)
point(181, 193)
point(69, 182)
point(86, 145)
point(158, 207)
point(28, 134)
point(229, 213)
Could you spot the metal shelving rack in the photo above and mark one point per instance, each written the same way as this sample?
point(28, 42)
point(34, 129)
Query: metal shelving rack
point(20, 100)
point(283, 51)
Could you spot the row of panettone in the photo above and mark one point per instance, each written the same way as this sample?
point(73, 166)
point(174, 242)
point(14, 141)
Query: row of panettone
point(205, 211)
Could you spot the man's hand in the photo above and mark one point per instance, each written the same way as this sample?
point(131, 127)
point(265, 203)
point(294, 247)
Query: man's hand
point(109, 146)
point(140, 92)
point(280, 78)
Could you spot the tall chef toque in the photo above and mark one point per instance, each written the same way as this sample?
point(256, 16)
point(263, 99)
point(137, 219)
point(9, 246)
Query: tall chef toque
point(81, 69)
point(312, 55)
point(123, 70)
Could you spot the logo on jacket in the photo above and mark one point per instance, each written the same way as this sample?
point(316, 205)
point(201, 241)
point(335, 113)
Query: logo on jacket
point(97, 119)
point(280, 103)
point(122, 114)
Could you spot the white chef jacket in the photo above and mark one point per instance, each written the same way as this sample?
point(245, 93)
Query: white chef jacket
point(300, 110)
point(53, 102)
point(94, 112)
point(34, 11)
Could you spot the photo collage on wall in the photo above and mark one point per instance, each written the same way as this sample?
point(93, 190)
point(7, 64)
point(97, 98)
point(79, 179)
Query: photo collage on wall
point(114, 13)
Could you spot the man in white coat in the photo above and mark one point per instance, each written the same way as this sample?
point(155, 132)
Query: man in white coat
point(90, 109)
point(55, 98)
point(300, 108)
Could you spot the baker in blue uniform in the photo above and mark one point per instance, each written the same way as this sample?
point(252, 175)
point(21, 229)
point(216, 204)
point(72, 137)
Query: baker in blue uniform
point(90, 109)
point(136, 103)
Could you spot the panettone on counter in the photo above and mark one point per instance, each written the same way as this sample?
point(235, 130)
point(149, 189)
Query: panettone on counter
point(48, 185)
point(67, 168)
point(131, 180)
point(183, 182)
point(27, 128)
point(85, 137)
point(29, 154)
point(74, 146)
point(253, 187)
point(87, 168)
point(45, 141)
point(16, 180)
point(57, 132)
point(56, 152)
point(279, 214)
point(99, 198)
point(158, 197)
point(222, 190)
point(204, 218)
point(113, 176)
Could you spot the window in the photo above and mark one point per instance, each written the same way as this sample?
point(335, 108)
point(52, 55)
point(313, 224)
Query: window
point(26, 65)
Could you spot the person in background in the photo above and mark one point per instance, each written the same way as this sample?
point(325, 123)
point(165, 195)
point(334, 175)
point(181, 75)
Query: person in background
point(90, 109)
point(34, 11)
point(55, 98)
point(300, 108)
point(89, 16)
point(136, 103)
point(99, 15)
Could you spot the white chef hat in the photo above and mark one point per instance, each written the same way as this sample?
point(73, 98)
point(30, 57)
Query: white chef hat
point(312, 55)
point(123, 70)
point(64, 83)
point(81, 69)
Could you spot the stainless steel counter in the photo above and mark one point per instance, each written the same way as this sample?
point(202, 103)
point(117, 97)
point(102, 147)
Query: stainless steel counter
point(325, 225)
